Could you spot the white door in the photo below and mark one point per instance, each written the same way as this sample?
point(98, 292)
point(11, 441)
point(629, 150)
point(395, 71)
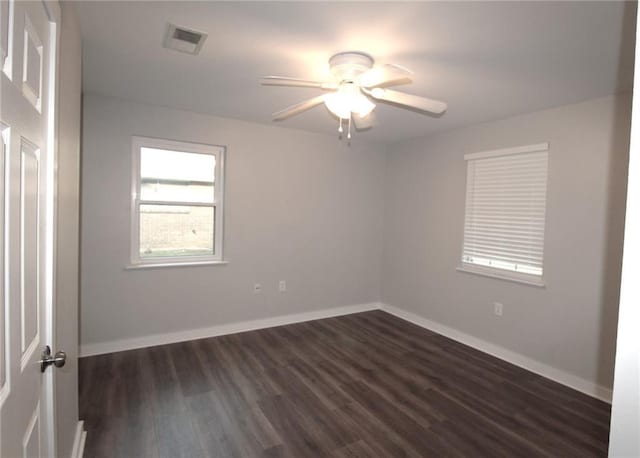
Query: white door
point(27, 105)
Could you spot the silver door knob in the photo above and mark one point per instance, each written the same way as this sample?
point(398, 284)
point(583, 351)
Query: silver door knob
point(58, 360)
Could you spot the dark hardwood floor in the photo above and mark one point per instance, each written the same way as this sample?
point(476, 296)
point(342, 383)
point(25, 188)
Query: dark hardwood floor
point(364, 385)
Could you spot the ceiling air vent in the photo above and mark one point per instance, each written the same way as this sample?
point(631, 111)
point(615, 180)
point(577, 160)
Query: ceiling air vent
point(184, 39)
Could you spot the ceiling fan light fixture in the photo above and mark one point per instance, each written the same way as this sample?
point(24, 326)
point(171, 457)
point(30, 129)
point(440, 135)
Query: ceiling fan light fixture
point(346, 100)
point(354, 89)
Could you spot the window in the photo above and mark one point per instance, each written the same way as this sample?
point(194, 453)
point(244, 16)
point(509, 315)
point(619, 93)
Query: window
point(505, 213)
point(177, 210)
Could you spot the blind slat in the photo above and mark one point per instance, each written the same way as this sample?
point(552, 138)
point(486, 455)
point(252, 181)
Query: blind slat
point(489, 237)
point(508, 257)
point(525, 248)
point(512, 250)
point(497, 188)
point(514, 177)
point(502, 231)
point(511, 216)
point(512, 201)
point(502, 160)
point(523, 169)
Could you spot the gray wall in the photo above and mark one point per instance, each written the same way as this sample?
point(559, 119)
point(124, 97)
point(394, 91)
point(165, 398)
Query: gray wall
point(571, 323)
point(300, 207)
point(68, 236)
point(305, 208)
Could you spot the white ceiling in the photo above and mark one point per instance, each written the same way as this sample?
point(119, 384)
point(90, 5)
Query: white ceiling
point(488, 60)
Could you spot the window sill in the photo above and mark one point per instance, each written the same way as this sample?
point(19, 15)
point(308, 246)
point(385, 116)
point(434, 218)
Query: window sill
point(161, 265)
point(501, 276)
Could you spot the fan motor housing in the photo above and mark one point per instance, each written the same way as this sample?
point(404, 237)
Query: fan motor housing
point(347, 66)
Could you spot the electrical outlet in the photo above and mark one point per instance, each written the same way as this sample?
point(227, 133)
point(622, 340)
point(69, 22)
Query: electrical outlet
point(257, 288)
point(497, 308)
point(282, 286)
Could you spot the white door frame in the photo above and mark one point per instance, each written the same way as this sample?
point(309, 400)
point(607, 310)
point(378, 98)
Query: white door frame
point(624, 440)
point(48, 383)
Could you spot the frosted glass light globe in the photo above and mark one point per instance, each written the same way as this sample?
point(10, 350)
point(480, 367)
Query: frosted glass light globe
point(348, 99)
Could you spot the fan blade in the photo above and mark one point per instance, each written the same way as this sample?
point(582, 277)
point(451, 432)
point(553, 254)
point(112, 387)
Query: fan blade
point(408, 100)
point(288, 81)
point(385, 75)
point(298, 108)
point(364, 122)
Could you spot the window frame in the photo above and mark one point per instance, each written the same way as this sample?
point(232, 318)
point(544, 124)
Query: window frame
point(219, 152)
point(494, 272)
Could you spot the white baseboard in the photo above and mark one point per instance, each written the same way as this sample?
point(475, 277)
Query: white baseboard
point(213, 331)
point(79, 440)
point(557, 375)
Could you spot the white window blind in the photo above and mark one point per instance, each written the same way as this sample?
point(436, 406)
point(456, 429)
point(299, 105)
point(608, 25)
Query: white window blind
point(505, 209)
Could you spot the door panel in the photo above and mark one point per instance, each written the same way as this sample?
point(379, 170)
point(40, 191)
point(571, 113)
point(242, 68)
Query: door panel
point(32, 65)
point(31, 439)
point(27, 87)
point(67, 231)
point(6, 19)
point(29, 249)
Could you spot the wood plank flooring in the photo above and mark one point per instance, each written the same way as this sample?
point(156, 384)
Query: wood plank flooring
point(363, 385)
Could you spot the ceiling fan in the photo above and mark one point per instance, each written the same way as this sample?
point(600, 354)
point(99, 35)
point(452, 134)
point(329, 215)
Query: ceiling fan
point(355, 85)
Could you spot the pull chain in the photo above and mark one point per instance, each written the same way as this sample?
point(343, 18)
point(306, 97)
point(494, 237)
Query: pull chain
point(340, 130)
point(349, 133)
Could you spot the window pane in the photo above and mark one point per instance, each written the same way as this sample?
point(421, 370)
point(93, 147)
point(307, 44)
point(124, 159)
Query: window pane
point(176, 176)
point(174, 231)
point(162, 190)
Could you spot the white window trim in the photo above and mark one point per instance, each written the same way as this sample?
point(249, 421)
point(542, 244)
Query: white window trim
point(502, 274)
point(175, 264)
point(136, 262)
point(487, 271)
